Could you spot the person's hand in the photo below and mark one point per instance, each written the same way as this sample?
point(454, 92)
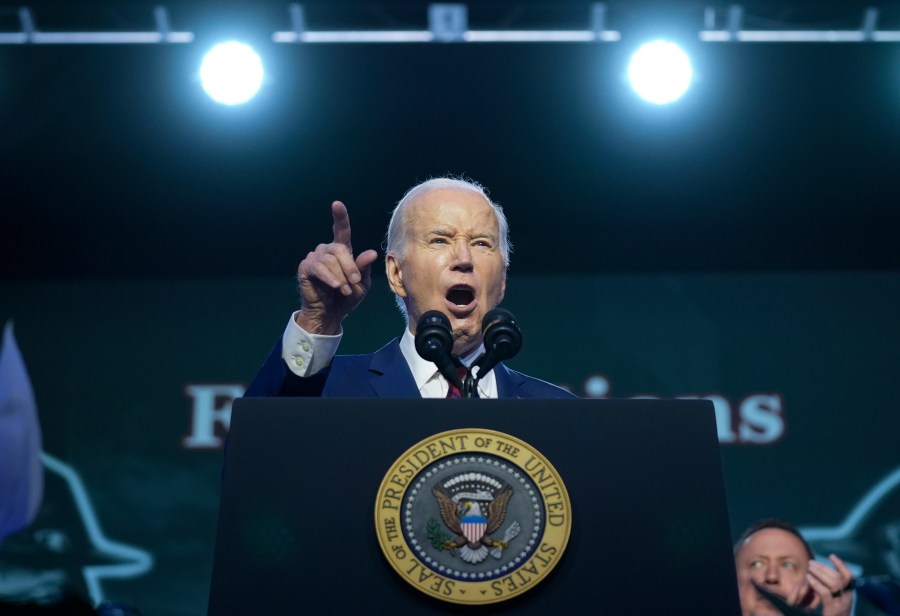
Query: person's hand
point(333, 282)
point(833, 587)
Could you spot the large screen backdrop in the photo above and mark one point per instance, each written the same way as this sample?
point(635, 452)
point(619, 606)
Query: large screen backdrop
point(134, 380)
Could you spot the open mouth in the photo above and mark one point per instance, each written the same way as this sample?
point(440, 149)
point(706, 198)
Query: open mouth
point(460, 297)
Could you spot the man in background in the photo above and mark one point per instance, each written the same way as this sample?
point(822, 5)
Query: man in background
point(772, 557)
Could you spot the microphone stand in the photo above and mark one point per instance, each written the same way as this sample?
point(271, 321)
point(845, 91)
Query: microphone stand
point(469, 383)
point(434, 342)
point(470, 389)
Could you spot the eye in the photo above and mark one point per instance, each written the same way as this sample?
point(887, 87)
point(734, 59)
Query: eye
point(789, 566)
point(438, 240)
point(483, 244)
point(756, 564)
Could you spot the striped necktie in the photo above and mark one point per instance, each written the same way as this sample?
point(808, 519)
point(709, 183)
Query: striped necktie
point(453, 391)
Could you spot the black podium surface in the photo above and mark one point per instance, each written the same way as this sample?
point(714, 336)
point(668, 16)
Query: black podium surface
point(649, 530)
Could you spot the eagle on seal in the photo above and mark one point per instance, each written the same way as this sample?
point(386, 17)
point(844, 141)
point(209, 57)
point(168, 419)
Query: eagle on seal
point(472, 526)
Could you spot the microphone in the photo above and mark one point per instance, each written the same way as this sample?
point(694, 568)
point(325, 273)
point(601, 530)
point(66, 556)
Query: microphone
point(434, 343)
point(502, 339)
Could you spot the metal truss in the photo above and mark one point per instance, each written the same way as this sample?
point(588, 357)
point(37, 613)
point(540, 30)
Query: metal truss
point(867, 33)
point(448, 23)
point(29, 33)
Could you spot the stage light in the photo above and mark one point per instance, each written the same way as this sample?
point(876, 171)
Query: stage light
point(660, 72)
point(231, 73)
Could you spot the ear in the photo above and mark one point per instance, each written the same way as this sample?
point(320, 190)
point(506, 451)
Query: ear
point(503, 285)
point(394, 274)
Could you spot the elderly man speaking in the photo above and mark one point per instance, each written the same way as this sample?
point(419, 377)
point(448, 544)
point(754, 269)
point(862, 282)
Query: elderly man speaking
point(447, 250)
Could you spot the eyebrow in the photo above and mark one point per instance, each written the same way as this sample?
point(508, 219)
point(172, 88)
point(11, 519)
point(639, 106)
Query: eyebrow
point(447, 232)
point(485, 234)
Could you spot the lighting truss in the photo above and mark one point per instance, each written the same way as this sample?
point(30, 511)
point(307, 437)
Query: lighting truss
point(29, 33)
point(448, 23)
point(867, 33)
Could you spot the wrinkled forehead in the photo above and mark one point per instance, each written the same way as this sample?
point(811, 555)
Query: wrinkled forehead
point(451, 206)
point(773, 543)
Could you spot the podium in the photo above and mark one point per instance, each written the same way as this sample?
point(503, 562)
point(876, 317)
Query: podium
point(649, 530)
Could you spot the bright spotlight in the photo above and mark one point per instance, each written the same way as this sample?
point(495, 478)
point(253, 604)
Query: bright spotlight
point(231, 73)
point(660, 72)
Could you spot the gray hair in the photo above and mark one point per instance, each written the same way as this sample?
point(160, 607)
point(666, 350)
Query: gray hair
point(395, 240)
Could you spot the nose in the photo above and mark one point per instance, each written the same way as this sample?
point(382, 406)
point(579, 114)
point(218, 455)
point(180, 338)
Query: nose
point(462, 256)
point(772, 573)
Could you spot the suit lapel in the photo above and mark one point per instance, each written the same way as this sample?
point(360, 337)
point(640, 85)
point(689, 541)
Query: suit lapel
point(389, 374)
point(508, 382)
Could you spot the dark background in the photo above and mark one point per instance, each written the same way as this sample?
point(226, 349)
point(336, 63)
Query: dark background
point(740, 242)
point(780, 156)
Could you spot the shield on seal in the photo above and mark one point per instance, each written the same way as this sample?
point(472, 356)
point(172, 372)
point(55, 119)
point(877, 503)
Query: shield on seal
point(473, 528)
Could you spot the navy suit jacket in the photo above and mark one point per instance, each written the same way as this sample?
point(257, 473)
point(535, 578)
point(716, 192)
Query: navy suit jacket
point(382, 374)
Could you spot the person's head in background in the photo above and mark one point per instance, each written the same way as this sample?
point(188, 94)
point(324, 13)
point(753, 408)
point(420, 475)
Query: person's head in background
point(773, 555)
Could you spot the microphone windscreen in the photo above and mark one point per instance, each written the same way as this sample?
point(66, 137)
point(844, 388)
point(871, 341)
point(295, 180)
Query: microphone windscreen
point(434, 336)
point(501, 333)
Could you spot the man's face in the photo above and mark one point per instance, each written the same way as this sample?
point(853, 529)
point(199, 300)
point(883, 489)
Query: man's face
point(775, 560)
point(452, 262)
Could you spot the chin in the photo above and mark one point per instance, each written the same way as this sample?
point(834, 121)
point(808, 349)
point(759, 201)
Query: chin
point(468, 326)
point(464, 340)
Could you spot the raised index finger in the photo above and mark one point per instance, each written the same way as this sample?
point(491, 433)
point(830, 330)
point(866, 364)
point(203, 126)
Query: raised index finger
point(341, 226)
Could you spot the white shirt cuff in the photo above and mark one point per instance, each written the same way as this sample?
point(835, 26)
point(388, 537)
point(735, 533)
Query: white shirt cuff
point(307, 354)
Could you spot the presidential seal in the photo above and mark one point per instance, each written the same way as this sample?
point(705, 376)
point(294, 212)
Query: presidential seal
point(472, 516)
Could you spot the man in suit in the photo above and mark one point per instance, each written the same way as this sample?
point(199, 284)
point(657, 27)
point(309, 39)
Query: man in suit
point(447, 250)
point(772, 557)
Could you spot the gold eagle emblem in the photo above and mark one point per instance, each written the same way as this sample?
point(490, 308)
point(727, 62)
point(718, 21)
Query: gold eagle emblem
point(476, 542)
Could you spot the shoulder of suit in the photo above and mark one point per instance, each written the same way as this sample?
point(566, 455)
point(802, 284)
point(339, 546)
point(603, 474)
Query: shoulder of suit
point(543, 388)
